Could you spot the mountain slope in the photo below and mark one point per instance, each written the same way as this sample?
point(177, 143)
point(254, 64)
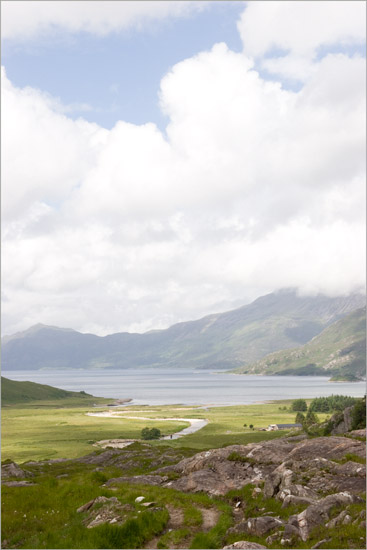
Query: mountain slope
point(23, 392)
point(339, 350)
point(225, 340)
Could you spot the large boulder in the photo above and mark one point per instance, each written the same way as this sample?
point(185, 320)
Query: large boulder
point(259, 526)
point(318, 513)
point(342, 421)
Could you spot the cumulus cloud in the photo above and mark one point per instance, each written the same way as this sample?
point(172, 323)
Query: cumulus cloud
point(252, 188)
point(25, 19)
point(287, 37)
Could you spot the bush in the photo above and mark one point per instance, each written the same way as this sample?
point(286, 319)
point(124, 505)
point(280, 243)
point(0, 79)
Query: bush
point(152, 433)
point(359, 415)
point(299, 405)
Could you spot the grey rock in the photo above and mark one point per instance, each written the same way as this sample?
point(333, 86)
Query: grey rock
point(85, 506)
point(18, 483)
point(257, 526)
point(293, 499)
point(143, 479)
point(345, 424)
point(318, 513)
point(320, 543)
point(274, 537)
point(12, 469)
point(290, 534)
point(244, 545)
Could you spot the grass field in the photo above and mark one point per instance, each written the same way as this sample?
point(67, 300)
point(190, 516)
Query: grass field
point(47, 432)
point(45, 515)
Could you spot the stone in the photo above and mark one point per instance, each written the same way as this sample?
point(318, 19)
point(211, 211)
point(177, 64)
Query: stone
point(317, 514)
point(290, 534)
point(139, 499)
point(12, 469)
point(256, 526)
point(320, 543)
point(345, 423)
point(18, 483)
point(85, 506)
point(274, 537)
point(244, 545)
point(293, 499)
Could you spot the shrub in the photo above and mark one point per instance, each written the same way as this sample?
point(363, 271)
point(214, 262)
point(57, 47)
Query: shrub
point(152, 433)
point(359, 415)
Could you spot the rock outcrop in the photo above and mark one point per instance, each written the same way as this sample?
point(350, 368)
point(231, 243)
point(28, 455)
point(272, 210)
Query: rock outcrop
point(11, 469)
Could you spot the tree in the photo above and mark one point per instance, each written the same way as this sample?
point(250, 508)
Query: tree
point(152, 433)
point(311, 418)
point(359, 415)
point(300, 418)
point(251, 426)
point(245, 425)
point(299, 405)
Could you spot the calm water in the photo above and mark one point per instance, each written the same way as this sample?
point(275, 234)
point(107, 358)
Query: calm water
point(171, 386)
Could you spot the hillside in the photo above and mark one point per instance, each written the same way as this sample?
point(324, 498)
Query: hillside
point(13, 392)
point(339, 351)
point(223, 341)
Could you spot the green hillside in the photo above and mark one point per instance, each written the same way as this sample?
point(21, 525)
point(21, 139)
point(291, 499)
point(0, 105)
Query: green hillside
point(339, 351)
point(13, 392)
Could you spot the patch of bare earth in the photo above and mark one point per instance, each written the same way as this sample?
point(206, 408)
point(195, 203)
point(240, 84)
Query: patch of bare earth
point(210, 518)
point(176, 519)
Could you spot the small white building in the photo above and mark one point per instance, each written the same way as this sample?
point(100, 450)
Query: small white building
point(273, 427)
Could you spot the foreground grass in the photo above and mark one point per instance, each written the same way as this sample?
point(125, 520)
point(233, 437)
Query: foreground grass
point(45, 515)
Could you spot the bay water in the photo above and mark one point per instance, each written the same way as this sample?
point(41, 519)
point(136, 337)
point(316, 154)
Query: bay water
point(150, 386)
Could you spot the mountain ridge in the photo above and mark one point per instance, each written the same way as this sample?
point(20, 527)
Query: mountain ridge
point(219, 340)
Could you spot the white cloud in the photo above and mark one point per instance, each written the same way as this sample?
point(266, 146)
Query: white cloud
point(26, 19)
point(253, 188)
point(286, 37)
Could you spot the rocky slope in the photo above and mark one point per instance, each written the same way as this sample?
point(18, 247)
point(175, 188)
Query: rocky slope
point(291, 492)
point(225, 340)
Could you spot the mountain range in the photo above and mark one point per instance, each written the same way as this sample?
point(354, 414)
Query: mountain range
point(277, 321)
point(338, 351)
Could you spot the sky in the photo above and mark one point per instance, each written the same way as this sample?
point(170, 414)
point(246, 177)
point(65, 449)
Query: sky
point(166, 160)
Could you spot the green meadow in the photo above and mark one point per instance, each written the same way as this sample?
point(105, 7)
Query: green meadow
point(46, 432)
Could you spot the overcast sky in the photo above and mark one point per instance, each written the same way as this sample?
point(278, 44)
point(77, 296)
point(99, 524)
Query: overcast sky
point(166, 160)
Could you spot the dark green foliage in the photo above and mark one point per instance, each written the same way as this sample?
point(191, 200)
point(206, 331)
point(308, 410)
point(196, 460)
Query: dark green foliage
point(299, 405)
point(300, 418)
point(331, 403)
point(359, 415)
point(150, 433)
